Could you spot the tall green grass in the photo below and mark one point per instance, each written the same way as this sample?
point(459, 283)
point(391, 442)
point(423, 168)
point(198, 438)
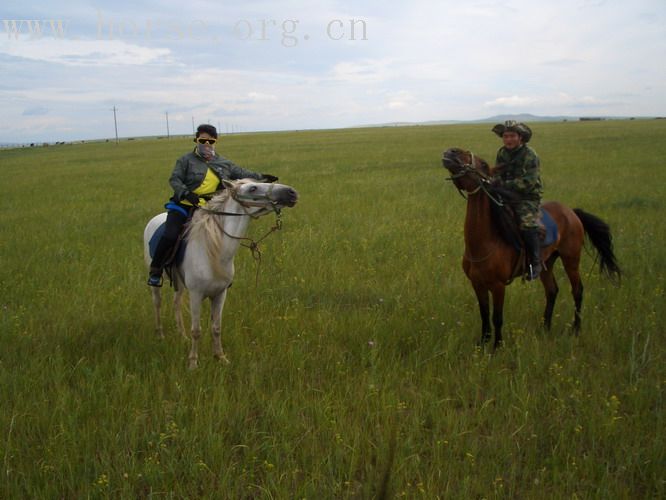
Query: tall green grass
point(354, 370)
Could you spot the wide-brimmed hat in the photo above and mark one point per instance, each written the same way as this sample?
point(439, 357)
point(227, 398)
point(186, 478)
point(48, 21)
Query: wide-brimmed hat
point(513, 126)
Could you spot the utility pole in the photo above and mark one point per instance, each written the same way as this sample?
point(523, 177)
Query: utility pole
point(167, 122)
point(193, 125)
point(115, 123)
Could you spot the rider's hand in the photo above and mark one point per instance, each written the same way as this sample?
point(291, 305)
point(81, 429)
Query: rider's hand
point(193, 199)
point(269, 178)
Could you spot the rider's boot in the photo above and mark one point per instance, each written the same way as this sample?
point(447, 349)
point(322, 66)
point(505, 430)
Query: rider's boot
point(533, 251)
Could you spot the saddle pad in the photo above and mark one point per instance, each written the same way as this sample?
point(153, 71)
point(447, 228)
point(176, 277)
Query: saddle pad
point(154, 240)
point(551, 229)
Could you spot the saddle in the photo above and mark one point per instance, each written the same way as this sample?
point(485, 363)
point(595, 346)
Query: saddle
point(504, 218)
point(177, 254)
point(510, 232)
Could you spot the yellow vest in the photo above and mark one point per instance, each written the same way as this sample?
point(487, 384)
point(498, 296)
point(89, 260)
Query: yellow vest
point(208, 186)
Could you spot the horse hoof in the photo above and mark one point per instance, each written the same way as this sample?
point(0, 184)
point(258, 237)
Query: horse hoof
point(193, 364)
point(222, 359)
point(483, 342)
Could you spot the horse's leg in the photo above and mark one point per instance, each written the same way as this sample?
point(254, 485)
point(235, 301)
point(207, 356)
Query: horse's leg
point(498, 312)
point(196, 299)
point(551, 289)
point(157, 308)
point(216, 322)
point(178, 311)
point(484, 308)
point(571, 266)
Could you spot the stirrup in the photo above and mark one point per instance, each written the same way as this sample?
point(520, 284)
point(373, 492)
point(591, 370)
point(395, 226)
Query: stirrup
point(532, 272)
point(155, 280)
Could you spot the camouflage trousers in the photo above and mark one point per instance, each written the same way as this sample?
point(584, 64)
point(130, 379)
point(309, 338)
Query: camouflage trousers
point(527, 214)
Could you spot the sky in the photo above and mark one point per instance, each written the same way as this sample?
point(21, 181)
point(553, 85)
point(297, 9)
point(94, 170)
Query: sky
point(288, 65)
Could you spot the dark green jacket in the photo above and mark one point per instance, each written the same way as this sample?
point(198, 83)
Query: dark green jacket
point(518, 170)
point(191, 169)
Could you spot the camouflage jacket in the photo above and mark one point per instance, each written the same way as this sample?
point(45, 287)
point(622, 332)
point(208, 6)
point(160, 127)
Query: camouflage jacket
point(190, 171)
point(518, 170)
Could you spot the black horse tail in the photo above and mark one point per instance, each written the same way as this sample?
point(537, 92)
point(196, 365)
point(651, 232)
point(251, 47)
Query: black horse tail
point(600, 235)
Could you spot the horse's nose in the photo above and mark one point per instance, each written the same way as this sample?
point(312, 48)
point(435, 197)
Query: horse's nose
point(291, 197)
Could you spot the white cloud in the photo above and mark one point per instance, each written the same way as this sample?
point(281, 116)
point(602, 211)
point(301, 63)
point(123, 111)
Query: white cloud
point(513, 101)
point(259, 97)
point(84, 52)
point(362, 71)
point(562, 101)
point(401, 100)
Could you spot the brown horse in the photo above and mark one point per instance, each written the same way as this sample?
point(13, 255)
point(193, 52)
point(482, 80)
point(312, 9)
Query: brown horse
point(491, 258)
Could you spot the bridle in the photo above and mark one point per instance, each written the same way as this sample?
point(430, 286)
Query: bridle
point(247, 201)
point(483, 181)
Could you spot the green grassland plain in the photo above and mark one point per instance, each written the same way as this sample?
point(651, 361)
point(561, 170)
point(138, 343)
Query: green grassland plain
point(354, 372)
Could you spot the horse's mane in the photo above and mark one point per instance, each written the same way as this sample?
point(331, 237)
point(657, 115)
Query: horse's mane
point(202, 223)
point(208, 228)
point(504, 221)
point(482, 166)
point(501, 216)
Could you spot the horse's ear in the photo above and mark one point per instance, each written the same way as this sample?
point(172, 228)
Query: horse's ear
point(226, 183)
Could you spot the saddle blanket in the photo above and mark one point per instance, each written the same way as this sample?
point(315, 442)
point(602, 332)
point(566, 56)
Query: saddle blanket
point(154, 240)
point(551, 229)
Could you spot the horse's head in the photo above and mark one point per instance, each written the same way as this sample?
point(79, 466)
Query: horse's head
point(263, 196)
point(467, 170)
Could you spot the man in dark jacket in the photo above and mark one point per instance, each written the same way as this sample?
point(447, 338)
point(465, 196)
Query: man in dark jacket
point(517, 169)
point(195, 177)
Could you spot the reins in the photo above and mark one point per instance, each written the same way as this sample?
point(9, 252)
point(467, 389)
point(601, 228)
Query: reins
point(473, 260)
point(483, 183)
point(253, 245)
point(482, 179)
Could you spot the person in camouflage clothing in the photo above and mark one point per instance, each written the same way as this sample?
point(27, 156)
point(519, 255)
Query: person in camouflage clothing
point(517, 169)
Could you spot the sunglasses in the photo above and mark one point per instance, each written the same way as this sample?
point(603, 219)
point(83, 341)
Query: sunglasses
point(201, 140)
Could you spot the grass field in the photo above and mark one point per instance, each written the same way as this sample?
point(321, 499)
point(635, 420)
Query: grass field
point(354, 372)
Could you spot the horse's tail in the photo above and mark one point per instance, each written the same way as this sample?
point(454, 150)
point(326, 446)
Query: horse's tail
point(600, 235)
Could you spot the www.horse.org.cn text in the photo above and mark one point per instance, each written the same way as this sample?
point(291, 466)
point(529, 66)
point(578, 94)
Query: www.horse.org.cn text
point(288, 33)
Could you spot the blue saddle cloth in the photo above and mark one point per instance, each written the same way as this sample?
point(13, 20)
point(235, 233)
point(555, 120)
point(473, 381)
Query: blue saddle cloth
point(154, 240)
point(157, 235)
point(551, 229)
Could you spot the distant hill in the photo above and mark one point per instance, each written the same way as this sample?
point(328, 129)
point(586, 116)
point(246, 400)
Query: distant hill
point(521, 117)
point(525, 117)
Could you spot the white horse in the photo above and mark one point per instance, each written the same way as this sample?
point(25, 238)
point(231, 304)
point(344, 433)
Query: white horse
point(213, 237)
